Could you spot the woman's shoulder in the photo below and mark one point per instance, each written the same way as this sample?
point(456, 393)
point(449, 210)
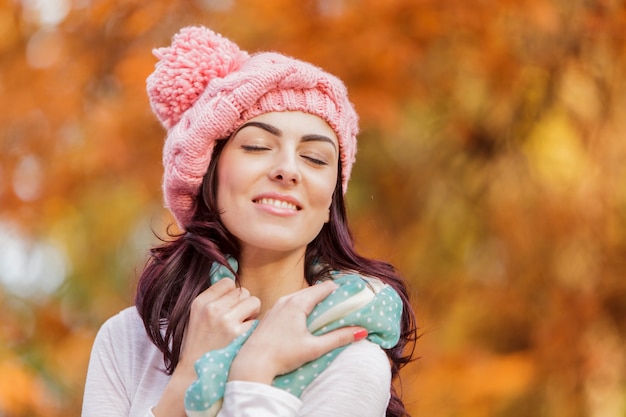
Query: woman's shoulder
point(123, 340)
point(364, 354)
point(361, 367)
point(363, 361)
point(127, 320)
point(125, 331)
point(125, 365)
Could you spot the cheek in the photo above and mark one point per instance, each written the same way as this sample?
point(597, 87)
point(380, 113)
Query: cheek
point(222, 186)
point(229, 181)
point(324, 194)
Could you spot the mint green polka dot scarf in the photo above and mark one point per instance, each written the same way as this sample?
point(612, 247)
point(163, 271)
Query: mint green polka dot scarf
point(358, 301)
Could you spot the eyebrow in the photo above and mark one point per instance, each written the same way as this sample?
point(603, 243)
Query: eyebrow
point(268, 128)
point(318, 138)
point(277, 132)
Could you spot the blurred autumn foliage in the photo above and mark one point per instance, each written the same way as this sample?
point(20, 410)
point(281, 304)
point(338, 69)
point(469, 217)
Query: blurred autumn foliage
point(491, 171)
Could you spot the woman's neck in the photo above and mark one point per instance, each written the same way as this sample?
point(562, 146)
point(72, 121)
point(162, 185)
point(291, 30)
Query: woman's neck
point(270, 276)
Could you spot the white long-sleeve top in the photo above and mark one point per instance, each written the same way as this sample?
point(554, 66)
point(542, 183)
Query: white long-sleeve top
point(126, 378)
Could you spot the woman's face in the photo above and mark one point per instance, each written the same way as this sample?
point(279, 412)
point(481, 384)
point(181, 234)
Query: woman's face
point(276, 177)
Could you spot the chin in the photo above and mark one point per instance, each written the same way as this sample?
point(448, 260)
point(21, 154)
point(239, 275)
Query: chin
point(273, 246)
point(277, 239)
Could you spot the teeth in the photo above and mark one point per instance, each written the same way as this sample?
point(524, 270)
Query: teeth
point(278, 203)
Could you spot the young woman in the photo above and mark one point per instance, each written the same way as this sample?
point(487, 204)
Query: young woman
point(257, 158)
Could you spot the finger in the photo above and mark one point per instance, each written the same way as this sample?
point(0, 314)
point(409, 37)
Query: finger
point(217, 290)
point(340, 337)
point(307, 298)
point(243, 292)
point(246, 309)
point(219, 301)
point(224, 305)
point(246, 325)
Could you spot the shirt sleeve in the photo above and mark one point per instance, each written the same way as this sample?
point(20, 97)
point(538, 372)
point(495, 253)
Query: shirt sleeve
point(125, 377)
point(356, 384)
point(251, 399)
point(339, 391)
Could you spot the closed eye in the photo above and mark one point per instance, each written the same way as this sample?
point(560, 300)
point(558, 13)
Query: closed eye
point(315, 161)
point(254, 148)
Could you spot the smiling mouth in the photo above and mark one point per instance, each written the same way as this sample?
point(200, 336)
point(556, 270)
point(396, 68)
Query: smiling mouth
point(277, 203)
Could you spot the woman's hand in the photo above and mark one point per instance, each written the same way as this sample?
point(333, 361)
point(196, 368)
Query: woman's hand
point(218, 315)
point(281, 342)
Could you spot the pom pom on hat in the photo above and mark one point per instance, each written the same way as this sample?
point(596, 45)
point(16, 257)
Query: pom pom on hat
point(197, 55)
point(204, 87)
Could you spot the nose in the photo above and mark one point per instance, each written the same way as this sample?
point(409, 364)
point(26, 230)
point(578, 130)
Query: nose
point(285, 169)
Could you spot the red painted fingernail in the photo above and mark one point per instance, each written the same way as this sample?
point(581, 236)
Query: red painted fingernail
point(360, 334)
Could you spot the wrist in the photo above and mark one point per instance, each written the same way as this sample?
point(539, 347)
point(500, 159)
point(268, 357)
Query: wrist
point(252, 368)
point(172, 399)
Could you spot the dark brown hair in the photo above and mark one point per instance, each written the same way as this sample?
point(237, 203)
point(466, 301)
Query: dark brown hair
point(178, 270)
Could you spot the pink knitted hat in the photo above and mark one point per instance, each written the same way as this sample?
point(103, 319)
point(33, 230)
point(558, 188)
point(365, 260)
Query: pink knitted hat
point(204, 87)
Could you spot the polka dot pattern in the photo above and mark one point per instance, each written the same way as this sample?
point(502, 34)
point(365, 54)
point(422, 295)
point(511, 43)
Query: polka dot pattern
point(356, 302)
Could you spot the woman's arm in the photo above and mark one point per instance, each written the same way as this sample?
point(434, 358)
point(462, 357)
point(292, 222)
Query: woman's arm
point(126, 373)
point(282, 342)
point(218, 315)
point(356, 384)
point(105, 393)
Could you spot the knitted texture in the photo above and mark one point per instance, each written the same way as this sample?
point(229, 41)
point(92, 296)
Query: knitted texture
point(204, 87)
point(358, 301)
